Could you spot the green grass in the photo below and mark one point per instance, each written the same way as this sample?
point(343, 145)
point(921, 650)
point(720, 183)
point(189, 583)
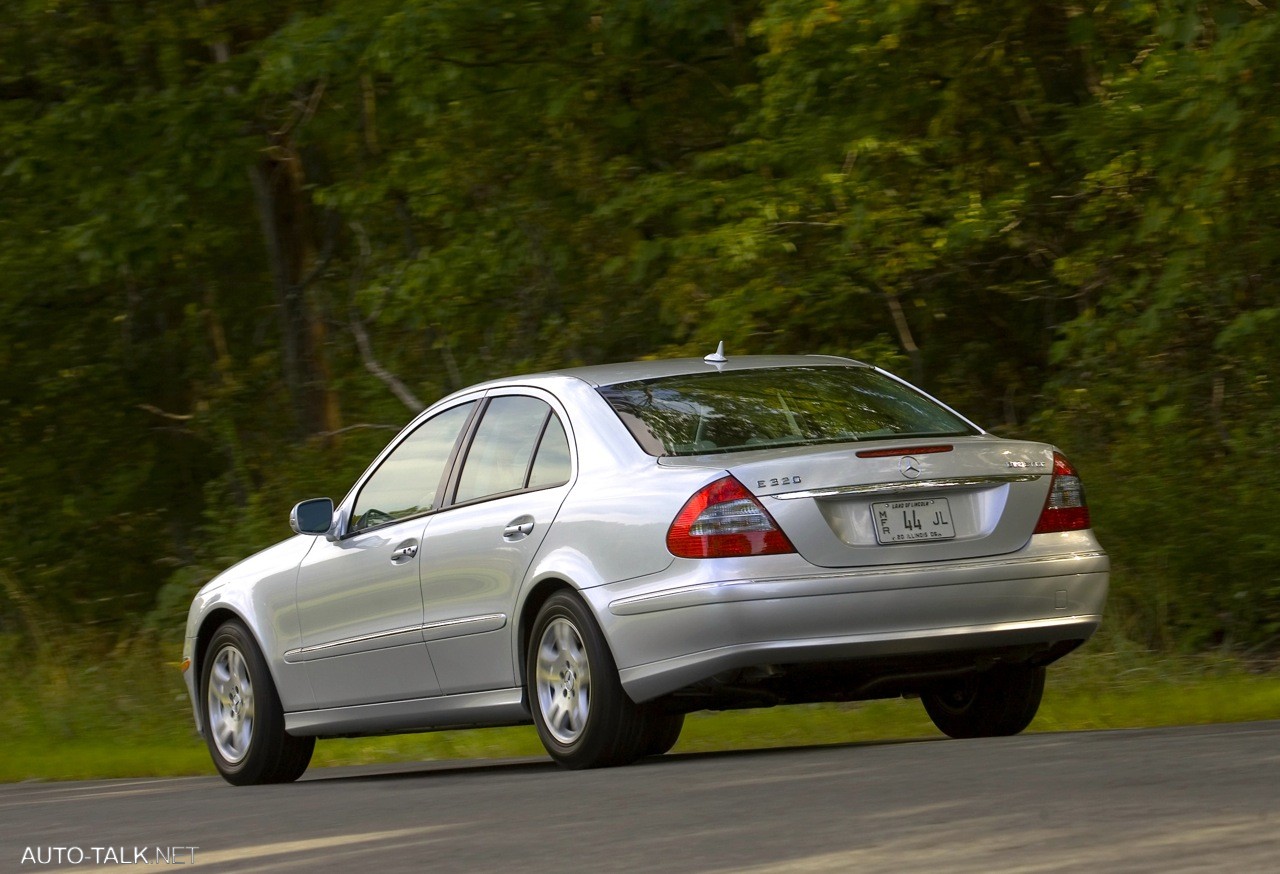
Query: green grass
point(127, 716)
point(33, 759)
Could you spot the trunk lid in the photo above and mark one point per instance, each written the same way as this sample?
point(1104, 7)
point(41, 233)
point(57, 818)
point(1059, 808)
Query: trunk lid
point(897, 502)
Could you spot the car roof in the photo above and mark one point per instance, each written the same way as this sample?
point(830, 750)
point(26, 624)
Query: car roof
point(631, 371)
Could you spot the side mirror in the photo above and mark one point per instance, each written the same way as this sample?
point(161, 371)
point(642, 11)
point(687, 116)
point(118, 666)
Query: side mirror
point(312, 517)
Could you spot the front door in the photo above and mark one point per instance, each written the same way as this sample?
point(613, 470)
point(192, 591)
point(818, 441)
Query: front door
point(359, 597)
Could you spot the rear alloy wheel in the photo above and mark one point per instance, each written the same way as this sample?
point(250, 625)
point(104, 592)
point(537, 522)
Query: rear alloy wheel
point(243, 719)
point(995, 703)
point(582, 714)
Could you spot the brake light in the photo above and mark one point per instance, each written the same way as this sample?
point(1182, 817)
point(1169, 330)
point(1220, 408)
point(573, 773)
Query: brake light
point(910, 450)
point(1065, 509)
point(722, 520)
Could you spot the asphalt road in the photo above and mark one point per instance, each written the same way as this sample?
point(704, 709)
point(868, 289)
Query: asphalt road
point(1185, 799)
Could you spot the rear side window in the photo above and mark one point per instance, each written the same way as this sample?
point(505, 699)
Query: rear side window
point(737, 410)
point(551, 464)
point(519, 444)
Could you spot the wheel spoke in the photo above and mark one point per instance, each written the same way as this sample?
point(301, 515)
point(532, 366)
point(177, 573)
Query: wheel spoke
point(219, 679)
point(578, 715)
point(221, 694)
point(558, 715)
point(562, 634)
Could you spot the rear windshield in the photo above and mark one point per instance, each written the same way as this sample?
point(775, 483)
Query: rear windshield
point(700, 413)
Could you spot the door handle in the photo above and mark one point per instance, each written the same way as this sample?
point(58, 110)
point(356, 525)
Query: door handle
point(518, 529)
point(404, 553)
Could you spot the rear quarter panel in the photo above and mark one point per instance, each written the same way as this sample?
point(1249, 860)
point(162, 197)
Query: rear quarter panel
point(613, 524)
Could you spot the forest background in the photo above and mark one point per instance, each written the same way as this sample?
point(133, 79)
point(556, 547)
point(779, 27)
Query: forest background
point(242, 242)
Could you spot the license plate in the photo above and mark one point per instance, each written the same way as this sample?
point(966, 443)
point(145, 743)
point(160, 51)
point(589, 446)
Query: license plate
point(913, 521)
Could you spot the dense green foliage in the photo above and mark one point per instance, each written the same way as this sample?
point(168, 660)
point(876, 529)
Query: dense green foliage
point(241, 242)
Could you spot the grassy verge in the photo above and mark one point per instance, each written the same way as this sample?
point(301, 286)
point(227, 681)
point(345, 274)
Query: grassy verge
point(126, 715)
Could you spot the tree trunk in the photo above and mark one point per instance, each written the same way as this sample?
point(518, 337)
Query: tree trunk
point(284, 212)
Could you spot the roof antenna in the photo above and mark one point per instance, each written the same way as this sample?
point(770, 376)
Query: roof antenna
point(717, 357)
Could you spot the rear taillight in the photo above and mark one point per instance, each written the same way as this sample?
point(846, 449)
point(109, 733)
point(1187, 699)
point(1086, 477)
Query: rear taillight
point(722, 520)
point(1065, 509)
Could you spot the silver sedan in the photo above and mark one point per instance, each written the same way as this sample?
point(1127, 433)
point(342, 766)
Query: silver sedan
point(601, 550)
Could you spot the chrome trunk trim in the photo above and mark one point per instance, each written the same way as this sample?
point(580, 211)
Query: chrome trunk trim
point(963, 482)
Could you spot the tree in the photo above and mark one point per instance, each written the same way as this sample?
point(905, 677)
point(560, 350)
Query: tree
point(240, 244)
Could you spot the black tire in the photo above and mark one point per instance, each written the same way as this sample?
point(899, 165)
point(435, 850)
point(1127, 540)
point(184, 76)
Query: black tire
point(995, 703)
point(243, 719)
point(583, 716)
point(661, 732)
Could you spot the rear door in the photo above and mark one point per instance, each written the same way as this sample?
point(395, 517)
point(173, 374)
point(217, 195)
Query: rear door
point(512, 479)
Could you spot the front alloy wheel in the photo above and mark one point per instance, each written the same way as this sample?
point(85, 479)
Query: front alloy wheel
point(229, 703)
point(243, 717)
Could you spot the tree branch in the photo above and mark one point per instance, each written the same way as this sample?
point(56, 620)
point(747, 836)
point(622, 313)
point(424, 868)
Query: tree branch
point(359, 426)
point(371, 364)
point(173, 417)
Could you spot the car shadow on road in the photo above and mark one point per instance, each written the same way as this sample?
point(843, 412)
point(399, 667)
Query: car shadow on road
point(448, 768)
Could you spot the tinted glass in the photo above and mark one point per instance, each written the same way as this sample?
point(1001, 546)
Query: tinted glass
point(499, 456)
point(551, 466)
point(314, 517)
point(407, 481)
point(795, 406)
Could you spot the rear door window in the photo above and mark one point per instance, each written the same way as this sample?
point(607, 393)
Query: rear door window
point(519, 444)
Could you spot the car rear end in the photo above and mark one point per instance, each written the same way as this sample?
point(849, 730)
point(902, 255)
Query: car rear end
point(844, 536)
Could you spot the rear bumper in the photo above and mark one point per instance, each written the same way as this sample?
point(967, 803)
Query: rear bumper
point(666, 638)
